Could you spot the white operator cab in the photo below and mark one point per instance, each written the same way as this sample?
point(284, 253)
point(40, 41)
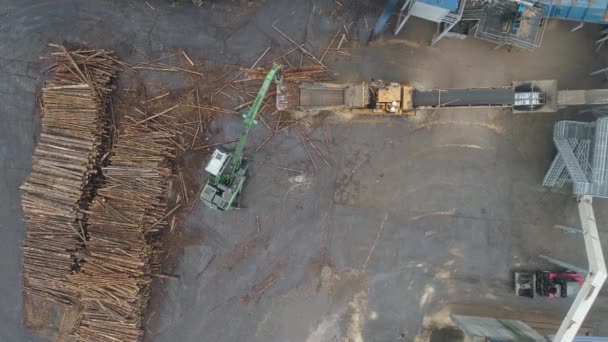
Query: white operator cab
point(218, 162)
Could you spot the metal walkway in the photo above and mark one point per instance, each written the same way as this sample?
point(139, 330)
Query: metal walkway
point(475, 97)
point(582, 157)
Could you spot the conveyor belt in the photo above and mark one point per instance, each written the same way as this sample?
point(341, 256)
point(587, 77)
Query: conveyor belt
point(324, 97)
point(503, 96)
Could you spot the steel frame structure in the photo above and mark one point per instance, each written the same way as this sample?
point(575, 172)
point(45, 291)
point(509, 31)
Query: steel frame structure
point(596, 275)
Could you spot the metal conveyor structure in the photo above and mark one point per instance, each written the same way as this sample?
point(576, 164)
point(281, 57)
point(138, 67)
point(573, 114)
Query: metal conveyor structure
point(379, 97)
point(472, 97)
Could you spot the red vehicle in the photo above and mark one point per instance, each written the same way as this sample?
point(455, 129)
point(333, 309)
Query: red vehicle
point(548, 284)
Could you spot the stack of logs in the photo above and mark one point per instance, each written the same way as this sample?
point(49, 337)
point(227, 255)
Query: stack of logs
point(303, 74)
point(64, 166)
point(94, 205)
point(94, 67)
point(123, 223)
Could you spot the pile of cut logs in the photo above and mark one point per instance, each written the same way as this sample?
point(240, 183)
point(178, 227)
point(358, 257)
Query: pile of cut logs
point(94, 204)
point(95, 67)
point(303, 74)
point(127, 212)
point(64, 165)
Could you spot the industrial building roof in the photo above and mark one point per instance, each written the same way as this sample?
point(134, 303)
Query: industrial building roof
point(580, 10)
point(450, 5)
point(526, 32)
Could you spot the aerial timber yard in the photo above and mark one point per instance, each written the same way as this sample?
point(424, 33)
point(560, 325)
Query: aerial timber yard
point(417, 186)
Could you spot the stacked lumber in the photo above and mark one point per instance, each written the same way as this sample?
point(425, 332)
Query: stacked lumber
point(95, 67)
point(64, 165)
point(303, 74)
point(123, 222)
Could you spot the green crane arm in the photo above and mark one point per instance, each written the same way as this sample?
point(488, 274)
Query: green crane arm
point(249, 121)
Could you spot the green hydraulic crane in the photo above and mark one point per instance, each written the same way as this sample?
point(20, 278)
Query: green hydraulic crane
point(227, 169)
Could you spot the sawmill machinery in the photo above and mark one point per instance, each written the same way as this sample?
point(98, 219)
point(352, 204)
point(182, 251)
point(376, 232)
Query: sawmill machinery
point(391, 98)
point(227, 169)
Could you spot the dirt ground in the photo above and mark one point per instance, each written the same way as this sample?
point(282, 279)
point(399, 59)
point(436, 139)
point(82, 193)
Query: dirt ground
point(415, 219)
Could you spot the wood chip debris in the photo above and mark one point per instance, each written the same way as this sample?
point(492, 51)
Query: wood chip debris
point(238, 94)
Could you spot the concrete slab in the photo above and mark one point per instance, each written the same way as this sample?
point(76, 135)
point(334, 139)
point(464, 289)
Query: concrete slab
point(413, 215)
point(582, 97)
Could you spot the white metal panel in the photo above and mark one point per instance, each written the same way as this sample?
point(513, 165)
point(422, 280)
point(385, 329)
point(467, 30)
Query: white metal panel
point(428, 12)
point(595, 278)
point(216, 164)
point(528, 99)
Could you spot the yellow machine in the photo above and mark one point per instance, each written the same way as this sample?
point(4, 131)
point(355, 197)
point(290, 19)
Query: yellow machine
point(377, 97)
point(384, 98)
point(394, 98)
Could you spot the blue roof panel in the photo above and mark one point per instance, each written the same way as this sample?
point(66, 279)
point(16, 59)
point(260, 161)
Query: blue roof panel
point(581, 3)
point(450, 5)
point(580, 10)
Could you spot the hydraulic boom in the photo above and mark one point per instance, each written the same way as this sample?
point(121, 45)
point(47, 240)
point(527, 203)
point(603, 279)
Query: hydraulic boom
point(228, 169)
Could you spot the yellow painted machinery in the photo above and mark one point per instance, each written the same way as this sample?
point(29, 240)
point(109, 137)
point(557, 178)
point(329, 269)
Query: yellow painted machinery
point(379, 97)
point(376, 97)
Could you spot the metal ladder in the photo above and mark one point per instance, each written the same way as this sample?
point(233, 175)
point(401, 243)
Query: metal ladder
point(557, 174)
point(577, 173)
point(472, 14)
point(450, 18)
